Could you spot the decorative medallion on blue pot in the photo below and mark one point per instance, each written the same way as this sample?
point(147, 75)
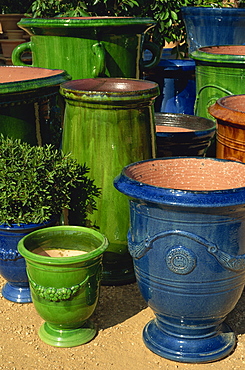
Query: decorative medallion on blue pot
point(187, 241)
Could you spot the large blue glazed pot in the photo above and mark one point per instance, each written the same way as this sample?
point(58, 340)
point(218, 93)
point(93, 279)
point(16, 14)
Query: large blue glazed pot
point(187, 241)
point(12, 264)
point(207, 26)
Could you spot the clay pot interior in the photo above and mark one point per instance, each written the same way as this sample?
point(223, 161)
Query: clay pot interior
point(194, 174)
point(228, 50)
point(53, 245)
point(167, 122)
point(15, 74)
point(109, 85)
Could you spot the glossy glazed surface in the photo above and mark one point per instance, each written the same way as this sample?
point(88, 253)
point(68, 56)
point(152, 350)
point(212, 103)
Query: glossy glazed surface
point(189, 252)
point(109, 123)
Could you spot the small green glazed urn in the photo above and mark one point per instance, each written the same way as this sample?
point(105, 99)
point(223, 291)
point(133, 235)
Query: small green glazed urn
point(64, 283)
point(109, 123)
point(89, 47)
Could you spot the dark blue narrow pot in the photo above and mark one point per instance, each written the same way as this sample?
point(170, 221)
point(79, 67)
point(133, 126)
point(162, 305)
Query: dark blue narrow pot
point(186, 238)
point(207, 26)
point(12, 264)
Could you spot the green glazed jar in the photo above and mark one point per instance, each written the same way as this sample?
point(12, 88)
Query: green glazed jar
point(109, 123)
point(64, 265)
point(220, 71)
point(89, 47)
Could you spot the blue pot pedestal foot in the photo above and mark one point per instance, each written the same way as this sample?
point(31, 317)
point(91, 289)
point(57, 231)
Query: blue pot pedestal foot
point(17, 293)
point(199, 349)
point(57, 337)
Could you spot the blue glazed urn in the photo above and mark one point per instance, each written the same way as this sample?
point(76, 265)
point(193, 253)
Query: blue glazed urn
point(187, 240)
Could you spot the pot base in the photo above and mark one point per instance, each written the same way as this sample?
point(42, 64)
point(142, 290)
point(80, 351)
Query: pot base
point(67, 337)
point(190, 349)
point(17, 293)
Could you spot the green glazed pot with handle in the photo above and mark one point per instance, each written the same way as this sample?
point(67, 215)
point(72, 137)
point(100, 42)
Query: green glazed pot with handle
point(88, 47)
point(64, 266)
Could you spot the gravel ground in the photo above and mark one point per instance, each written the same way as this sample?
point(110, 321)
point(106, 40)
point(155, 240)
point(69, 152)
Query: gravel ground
point(120, 316)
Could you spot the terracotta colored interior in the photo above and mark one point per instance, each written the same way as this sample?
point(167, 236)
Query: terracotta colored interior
point(109, 85)
point(57, 252)
point(234, 102)
point(15, 74)
point(229, 49)
point(196, 174)
point(165, 128)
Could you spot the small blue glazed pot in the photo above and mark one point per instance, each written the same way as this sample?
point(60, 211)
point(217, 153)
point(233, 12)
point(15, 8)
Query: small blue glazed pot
point(12, 264)
point(187, 241)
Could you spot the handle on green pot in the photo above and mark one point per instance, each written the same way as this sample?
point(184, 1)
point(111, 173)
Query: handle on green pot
point(17, 53)
point(156, 55)
point(100, 65)
point(233, 263)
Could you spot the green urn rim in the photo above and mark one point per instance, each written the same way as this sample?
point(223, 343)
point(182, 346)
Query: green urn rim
point(47, 260)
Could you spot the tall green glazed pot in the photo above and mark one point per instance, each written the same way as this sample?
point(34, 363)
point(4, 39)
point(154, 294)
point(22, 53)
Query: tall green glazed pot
point(220, 71)
point(109, 123)
point(89, 47)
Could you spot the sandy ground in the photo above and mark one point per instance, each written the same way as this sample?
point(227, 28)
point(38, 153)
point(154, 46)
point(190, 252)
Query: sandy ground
point(120, 316)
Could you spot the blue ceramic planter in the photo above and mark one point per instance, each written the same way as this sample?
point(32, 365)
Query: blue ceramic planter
point(12, 264)
point(213, 26)
point(187, 241)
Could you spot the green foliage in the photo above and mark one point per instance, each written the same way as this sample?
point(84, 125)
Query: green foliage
point(14, 6)
point(37, 183)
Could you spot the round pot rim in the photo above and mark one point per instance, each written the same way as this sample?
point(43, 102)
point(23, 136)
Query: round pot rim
point(56, 78)
point(81, 22)
point(194, 132)
point(63, 260)
point(183, 198)
point(224, 113)
point(222, 58)
point(209, 9)
point(146, 90)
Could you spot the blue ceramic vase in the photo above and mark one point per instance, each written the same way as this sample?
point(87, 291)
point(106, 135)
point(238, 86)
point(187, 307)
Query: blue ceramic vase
point(187, 241)
point(207, 26)
point(12, 264)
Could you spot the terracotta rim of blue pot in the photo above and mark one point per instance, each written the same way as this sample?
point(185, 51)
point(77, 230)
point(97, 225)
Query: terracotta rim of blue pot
point(26, 253)
point(223, 54)
point(128, 183)
point(109, 90)
point(38, 78)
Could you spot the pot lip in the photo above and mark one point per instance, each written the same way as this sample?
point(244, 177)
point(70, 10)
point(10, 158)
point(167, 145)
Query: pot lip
point(56, 78)
point(93, 94)
point(177, 197)
point(77, 22)
point(222, 58)
point(63, 260)
point(228, 114)
point(189, 10)
point(192, 119)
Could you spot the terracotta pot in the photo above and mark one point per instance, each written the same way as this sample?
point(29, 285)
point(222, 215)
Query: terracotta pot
point(14, 34)
point(230, 114)
point(103, 46)
point(183, 134)
point(9, 21)
point(109, 123)
point(8, 45)
point(186, 238)
point(28, 104)
point(220, 71)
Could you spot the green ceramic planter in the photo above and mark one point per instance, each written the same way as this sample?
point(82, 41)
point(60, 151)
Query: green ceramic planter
point(88, 47)
point(28, 104)
point(220, 71)
point(109, 123)
point(64, 284)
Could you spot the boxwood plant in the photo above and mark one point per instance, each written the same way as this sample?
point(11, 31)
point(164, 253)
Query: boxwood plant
point(37, 183)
